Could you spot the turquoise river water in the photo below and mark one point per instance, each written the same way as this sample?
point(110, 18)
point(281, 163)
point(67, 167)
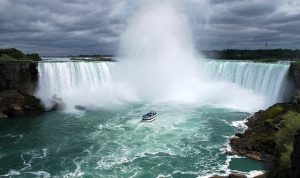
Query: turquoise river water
point(186, 140)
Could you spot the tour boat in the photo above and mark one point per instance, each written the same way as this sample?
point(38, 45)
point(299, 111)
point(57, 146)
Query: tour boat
point(149, 116)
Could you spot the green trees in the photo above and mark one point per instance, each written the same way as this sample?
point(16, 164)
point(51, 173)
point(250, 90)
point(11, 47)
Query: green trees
point(274, 54)
point(34, 56)
point(284, 142)
point(15, 54)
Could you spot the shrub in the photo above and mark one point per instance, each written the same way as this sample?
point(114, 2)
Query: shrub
point(284, 143)
point(291, 122)
point(272, 112)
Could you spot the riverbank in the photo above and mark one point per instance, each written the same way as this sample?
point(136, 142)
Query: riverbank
point(273, 137)
point(269, 138)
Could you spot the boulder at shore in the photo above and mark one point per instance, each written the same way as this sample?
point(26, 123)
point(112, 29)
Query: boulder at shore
point(14, 103)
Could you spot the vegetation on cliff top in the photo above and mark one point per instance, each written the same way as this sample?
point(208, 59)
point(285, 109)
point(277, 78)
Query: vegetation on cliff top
point(271, 55)
point(108, 58)
point(12, 54)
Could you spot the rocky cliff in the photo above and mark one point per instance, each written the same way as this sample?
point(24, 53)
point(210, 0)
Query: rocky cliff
point(295, 73)
point(20, 76)
point(18, 80)
point(268, 138)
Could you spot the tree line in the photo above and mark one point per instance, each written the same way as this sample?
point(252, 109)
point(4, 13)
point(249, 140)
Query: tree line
point(15, 54)
point(235, 54)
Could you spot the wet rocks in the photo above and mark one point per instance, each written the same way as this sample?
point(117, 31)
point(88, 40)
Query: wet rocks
point(14, 103)
point(235, 175)
point(232, 175)
point(2, 115)
point(239, 135)
point(57, 103)
point(15, 110)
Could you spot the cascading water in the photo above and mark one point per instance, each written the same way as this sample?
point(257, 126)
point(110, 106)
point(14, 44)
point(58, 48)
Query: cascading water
point(266, 79)
point(82, 83)
point(92, 83)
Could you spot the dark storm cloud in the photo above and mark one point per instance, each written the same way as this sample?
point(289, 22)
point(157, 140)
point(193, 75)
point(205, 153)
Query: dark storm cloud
point(60, 27)
point(250, 23)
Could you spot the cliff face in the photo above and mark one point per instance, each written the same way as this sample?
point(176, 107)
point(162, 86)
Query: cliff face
point(21, 76)
point(295, 157)
point(295, 73)
point(18, 81)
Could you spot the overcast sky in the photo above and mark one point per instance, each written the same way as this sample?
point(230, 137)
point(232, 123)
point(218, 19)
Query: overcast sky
point(64, 27)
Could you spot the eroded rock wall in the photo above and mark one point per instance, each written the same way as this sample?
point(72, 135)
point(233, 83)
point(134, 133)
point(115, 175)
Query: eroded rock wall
point(21, 76)
point(18, 80)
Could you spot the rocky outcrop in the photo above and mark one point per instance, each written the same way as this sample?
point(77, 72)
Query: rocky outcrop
point(295, 157)
point(18, 81)
point(235, 175)
point(21, 76)
point(255, 142)
point(15, 103)
point(259, 140)
point(232, 175)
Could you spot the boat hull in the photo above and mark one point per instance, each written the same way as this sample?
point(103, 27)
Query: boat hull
point(150, 119)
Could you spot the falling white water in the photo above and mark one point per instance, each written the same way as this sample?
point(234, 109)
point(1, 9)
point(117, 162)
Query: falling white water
point(268, 80)
point(79, 83)
point(229, 84)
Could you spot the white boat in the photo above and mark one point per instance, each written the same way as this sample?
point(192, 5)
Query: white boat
point(149, 117)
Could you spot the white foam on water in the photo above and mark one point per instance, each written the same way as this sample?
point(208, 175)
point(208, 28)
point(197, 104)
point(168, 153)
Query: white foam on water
point(28, 158)
point(12, 172)
point(43, 174)
point(255, 173)
point(240, 124)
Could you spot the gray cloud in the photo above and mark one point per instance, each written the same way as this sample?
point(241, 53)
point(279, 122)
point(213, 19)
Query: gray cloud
point(62, 27)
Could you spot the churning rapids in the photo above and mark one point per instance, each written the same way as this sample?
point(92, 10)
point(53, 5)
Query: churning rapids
point(200, 105)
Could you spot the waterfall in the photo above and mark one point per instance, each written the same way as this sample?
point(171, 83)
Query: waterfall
point(92, 83)
point(60, 78)
point(266, 79)
point(72, 79)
